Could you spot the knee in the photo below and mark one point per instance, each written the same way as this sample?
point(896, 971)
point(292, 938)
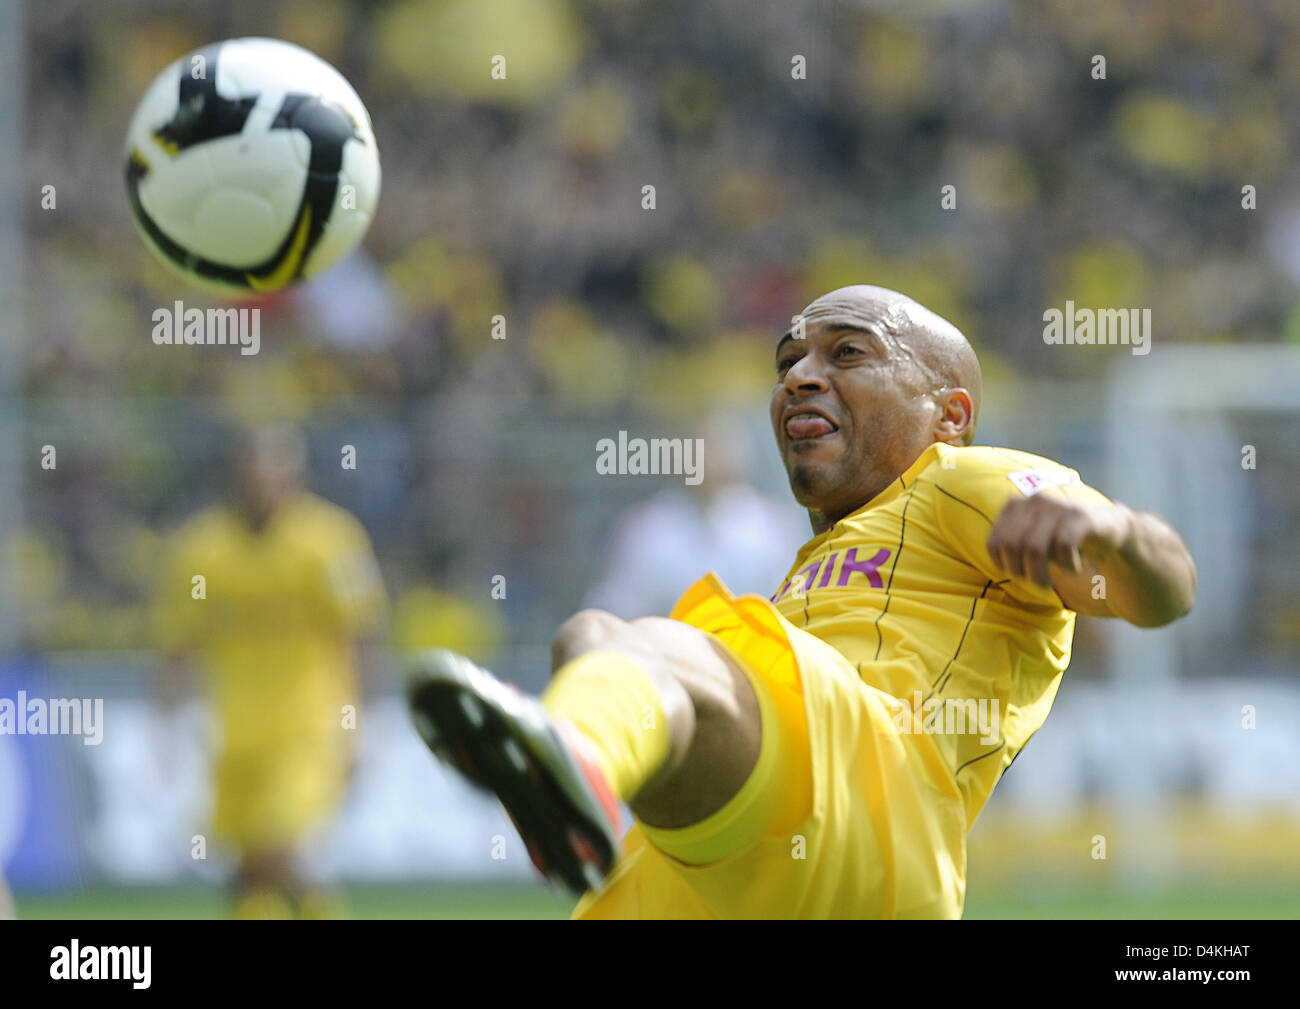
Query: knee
point(585, 631)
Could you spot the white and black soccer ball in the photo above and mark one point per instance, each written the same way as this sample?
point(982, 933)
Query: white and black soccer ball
point(250, 165)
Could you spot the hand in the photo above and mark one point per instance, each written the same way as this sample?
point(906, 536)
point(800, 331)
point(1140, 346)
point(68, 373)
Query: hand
point(1033, 532)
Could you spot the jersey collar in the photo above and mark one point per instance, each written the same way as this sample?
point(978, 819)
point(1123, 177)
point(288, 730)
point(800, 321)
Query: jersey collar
point(900, 484)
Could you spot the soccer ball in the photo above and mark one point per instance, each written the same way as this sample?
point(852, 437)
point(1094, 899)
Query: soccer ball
point(251, 164)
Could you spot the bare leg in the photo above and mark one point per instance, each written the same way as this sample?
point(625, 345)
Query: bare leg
point(715, 728)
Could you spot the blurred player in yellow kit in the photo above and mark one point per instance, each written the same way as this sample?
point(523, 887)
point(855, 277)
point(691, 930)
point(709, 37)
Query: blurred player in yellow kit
point(822, 753)
point(273, 594)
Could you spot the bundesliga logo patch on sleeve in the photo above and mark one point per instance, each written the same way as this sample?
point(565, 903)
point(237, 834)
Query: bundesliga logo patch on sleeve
point(1031, 481)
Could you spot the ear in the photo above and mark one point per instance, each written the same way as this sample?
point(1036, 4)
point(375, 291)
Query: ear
point(956, 421)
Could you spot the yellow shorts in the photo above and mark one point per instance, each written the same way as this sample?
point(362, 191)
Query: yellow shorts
point(881, 839)
point(272, 798)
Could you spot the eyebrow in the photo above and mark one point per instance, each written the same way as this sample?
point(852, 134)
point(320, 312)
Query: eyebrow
point(834, 326)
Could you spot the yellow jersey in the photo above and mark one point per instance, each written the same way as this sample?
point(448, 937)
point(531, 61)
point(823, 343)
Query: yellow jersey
point(272, 614)
point(905, 590)
point(909, 670)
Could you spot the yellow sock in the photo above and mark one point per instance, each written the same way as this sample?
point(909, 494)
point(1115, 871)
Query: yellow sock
point(774, 800)
point(612, 701)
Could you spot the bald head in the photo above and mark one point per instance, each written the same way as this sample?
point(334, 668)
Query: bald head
point(869, 382)
point(937, 347)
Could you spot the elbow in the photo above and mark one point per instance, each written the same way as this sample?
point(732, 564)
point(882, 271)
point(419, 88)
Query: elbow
point(1163, 617)
point(1177, 604)
point(1179, 610)
point(1187, 597)
point(1152, 620)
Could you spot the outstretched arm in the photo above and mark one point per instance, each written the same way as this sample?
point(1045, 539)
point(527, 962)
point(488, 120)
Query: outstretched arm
point(1147, 576)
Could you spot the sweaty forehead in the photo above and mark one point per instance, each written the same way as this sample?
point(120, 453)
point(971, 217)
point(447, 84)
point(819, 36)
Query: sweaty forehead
point(871, 314)
point(871, 309)
point(880, 328)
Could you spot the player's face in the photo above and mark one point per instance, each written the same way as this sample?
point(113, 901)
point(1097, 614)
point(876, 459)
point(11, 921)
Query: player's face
point(264, 481)
point(851, 411)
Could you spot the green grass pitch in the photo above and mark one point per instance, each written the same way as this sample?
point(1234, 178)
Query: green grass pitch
point(426, 901)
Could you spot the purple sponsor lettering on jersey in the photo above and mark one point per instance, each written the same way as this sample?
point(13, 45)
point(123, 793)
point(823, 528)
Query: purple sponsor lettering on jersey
point(869, 568)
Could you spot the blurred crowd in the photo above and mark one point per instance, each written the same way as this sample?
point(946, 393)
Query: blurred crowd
point(523, 198)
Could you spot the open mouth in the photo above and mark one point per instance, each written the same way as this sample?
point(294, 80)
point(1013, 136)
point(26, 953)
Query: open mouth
point(808, 426)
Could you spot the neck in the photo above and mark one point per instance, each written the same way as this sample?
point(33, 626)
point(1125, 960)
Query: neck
point(256, 518)
point(820, 521)
point(823, 520)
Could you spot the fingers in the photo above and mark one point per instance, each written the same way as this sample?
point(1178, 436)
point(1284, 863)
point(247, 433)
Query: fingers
point(1068, 539)
point(1032, 533)
point(1006, 543)
point(1038, 544)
